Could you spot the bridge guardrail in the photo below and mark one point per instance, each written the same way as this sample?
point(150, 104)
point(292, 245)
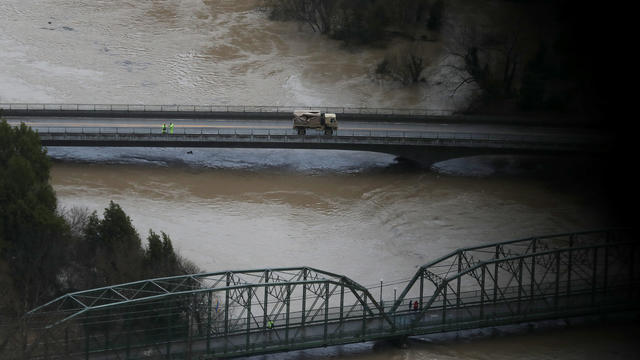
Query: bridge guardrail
point(222, 108)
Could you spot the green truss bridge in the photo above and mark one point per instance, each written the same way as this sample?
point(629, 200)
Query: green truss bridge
point(239, 313)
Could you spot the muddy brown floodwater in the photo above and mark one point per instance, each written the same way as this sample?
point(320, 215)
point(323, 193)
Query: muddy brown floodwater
point(188, 52)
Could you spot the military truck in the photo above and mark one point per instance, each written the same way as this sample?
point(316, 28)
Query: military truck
point(314, 119)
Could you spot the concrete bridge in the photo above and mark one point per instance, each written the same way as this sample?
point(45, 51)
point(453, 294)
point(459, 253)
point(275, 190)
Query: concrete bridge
point(419, 135)
point(248, 312)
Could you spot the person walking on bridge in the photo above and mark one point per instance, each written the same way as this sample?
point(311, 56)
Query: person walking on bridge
point(171, 128)
point(164, 128)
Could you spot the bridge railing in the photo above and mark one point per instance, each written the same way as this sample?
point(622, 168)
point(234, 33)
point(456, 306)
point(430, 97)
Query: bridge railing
point(221, 108)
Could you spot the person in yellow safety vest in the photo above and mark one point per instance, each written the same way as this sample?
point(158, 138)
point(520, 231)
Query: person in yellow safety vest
point(269, 324)
point(164, 128)
point(171, 128)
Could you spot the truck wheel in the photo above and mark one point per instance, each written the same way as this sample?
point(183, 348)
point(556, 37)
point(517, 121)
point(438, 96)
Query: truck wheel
point(328, 131)
point(301, 131)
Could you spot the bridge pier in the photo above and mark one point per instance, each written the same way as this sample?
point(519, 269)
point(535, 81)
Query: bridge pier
point(398, 342)
point(401, 342)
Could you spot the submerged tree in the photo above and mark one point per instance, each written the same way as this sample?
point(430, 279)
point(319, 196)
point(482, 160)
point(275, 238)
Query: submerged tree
point(490, 59)
point(406, 63)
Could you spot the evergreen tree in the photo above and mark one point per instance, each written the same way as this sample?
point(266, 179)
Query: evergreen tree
point(114, 247)
point(160, 258)
point(32, 235)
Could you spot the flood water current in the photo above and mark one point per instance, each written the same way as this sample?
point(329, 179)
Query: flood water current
point(361, 214)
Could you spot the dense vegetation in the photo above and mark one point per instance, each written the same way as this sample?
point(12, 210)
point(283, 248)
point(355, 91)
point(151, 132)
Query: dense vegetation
point(362, 21)
point(45, 252)
point(514, 55)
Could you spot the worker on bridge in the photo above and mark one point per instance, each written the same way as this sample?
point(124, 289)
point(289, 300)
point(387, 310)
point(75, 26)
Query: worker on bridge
point(164, 128)
point(171, 128)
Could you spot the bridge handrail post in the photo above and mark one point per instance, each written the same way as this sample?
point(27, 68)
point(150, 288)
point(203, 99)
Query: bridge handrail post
point(326, 312)
point(209, 303)
point(421, 289)
point(248, 334)
point(226, 309)
point(304, 296)
point(444, 305)
point(266, 299)
point(341, 307)
point(288, 316)
point(482, 291)
point(458, 282)
point(364, 316)
point(520, 269)
point(534, 248)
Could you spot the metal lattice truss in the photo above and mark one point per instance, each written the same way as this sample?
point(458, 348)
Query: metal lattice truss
point(457, 262)
point(293, 302)
point(567, 282)
point(258, 311)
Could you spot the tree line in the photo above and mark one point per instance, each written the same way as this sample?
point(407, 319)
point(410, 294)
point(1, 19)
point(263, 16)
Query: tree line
point(530, 56)
point(361, 21)
point(46, 252)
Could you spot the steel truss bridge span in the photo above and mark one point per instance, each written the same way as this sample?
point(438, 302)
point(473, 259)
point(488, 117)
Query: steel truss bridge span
point(236, 313)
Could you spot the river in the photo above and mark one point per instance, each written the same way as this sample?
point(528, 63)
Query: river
point(356, 213)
